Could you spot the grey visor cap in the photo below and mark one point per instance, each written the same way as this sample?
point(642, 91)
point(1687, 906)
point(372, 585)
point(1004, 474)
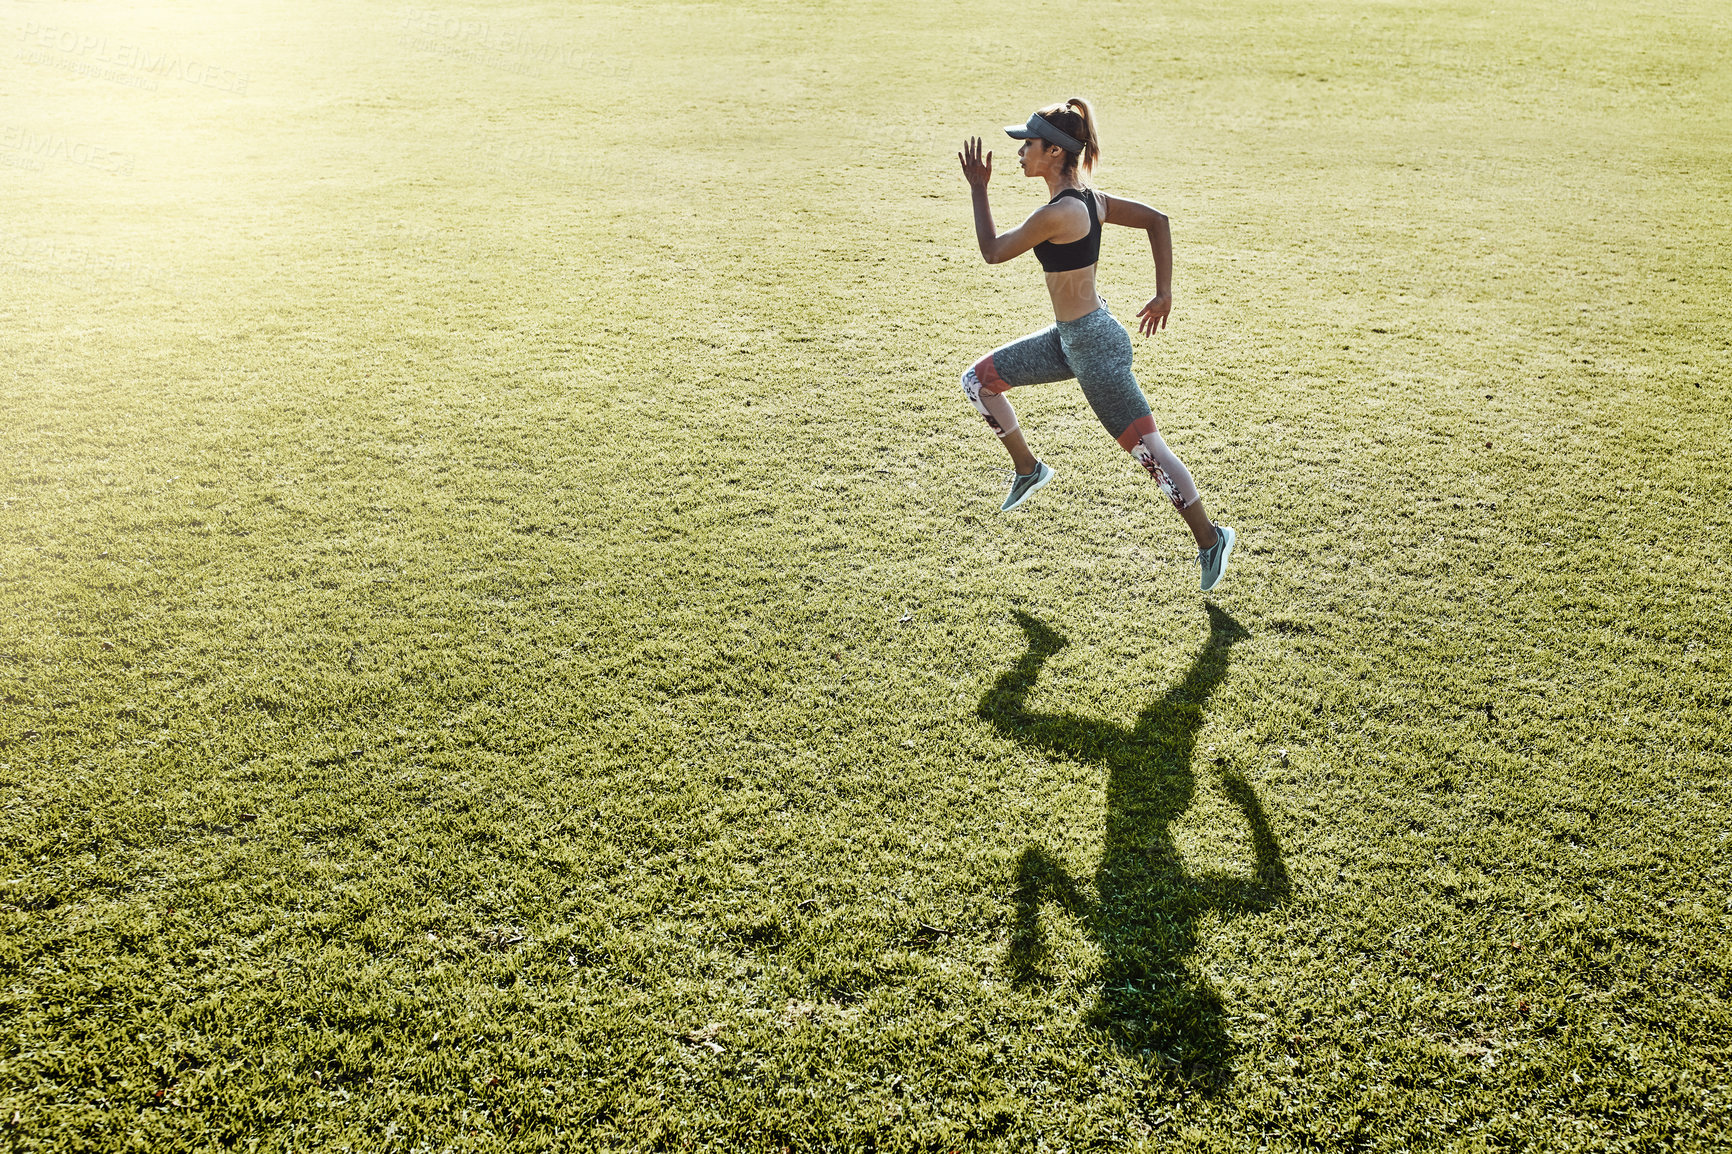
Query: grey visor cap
point(1040, 126)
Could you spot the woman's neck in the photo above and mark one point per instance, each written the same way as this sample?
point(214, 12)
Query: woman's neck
point(1057, 183)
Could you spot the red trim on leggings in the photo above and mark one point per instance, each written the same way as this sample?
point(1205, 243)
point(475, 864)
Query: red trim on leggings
point(1129, 438)
point(990, 381)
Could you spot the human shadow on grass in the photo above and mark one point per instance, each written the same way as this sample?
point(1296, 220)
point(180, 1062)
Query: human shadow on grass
point(1146, 907)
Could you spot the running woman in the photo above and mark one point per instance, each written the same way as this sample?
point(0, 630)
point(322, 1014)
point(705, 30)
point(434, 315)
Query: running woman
point(1059, 145)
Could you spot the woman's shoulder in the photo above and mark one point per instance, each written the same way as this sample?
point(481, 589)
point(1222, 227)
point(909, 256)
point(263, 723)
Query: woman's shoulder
point(1070, 199)
point(1091, 197)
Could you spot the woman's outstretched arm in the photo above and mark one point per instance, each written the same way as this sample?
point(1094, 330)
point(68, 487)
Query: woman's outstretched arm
point(1134, 215)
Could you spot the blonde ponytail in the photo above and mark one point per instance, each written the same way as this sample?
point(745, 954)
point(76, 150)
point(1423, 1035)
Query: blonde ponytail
point(1091, 153)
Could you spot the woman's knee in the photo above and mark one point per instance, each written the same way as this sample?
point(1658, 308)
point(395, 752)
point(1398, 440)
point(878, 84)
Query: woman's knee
point(971, 387)
point(987, 401)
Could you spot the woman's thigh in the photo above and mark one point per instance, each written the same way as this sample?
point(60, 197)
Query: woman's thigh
point(1100, 350)
point(1036, 359)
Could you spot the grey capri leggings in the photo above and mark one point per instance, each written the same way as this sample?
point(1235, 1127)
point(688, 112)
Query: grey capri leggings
point(1096, 350)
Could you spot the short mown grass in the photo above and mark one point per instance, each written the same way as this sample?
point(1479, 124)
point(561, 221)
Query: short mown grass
point(506, 640)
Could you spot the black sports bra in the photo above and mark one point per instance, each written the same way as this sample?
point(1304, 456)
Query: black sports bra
point(1055, 257)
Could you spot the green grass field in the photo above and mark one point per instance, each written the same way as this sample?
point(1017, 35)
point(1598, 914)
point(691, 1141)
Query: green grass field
point(506, 641)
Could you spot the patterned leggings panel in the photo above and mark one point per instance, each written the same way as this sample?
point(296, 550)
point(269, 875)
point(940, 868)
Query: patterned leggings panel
point(1095, 350)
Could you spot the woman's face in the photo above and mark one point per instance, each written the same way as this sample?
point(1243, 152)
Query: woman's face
point(1036, 156)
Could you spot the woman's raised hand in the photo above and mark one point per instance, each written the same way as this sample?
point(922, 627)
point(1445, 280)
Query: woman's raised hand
point(975, 170)
point(1154, 314)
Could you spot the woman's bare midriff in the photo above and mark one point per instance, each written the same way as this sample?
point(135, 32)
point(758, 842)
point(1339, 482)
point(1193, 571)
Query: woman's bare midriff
point(1073, 293)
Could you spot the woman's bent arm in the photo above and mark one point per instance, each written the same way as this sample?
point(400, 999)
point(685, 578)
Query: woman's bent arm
point(985, 232)
point(977, 170)
point(1041, 225)
point(1131, 214)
